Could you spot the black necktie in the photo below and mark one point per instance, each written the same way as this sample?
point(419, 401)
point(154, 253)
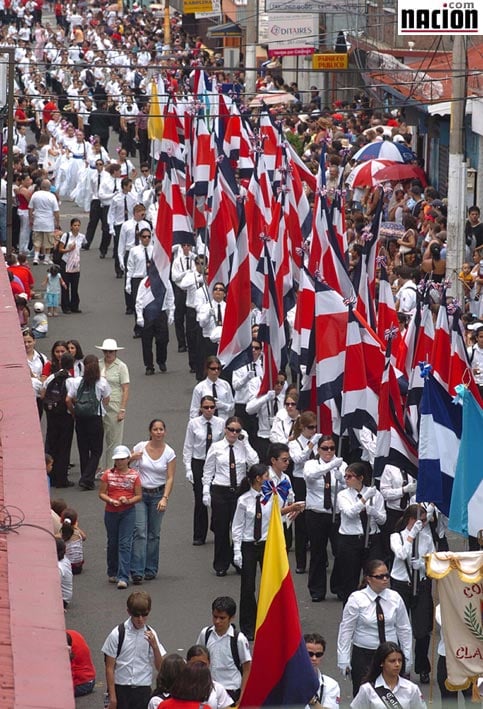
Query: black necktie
point(136, 234)
point(275, 407)
point(327, 492)
point(98, 182)
point(146, 257)
point(291, 429)
point(363, 516)
point(126, 210)
point(380, 621)
point(405, 496)
point(218, 319)
point(209, 437)
point(115, 185)
point(257, 527)
point(232, 469)
point(187, 263)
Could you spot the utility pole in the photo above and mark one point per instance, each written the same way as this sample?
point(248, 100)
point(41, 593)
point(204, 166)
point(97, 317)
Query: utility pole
point(7, 55)
point(456, 245)
point(251, 48)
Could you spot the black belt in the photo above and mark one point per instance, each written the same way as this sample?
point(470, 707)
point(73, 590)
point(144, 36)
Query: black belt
point(153, 490)
point(356, 536)
point(224, 487)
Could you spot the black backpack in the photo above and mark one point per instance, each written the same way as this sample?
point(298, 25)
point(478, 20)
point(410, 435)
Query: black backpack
point(55, 393)
point(86, 402)
point(233, 646)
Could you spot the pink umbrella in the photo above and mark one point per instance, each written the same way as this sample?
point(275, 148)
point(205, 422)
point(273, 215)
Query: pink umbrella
point(363, 175)
point(401, 171)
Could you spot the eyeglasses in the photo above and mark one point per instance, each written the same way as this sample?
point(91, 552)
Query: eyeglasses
point(380, 577)
point(140, 614)
point(348, 477)
point(145, 169)
point(315, 654)
point(233, 430)
point(290, 403)
point(208, 408)
point(222, 289)
point(256, 348)
point(327, 448)
point(312, 427)
point(214, 369)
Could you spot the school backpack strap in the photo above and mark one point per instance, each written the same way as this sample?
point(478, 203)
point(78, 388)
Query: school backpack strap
point(233, 645)
point(121, 635)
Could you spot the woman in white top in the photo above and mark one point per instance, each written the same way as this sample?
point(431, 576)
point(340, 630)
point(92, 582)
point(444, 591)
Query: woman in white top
point(201, 433)
point(410, 543)
point(213, 386)
point(89, 428)
point(36, 362)
point(301, 449)
point(284, 422)
point(70, 247)
point(156, 463)
point(384, 685)
point(323, 476)
point(74, 348)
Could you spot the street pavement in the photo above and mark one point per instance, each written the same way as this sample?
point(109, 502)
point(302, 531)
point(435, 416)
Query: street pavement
point(186, 585)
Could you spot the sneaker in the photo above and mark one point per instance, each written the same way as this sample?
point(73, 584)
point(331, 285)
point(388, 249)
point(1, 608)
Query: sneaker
point(48, 262)
point(121, 584)
point(137, 580)
point(35, 262)
point(112, 579)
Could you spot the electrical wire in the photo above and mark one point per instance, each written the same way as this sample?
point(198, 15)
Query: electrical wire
point(12, 519)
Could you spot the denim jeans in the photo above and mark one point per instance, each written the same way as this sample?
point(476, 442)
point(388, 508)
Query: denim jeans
point(120, 532)
point(145, 553)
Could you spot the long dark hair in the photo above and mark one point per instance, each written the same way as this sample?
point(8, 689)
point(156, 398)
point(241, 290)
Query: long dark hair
point(92, 372)
point(171, 667)
point(307, 418)
point(254, 472)
point(54, 362)
point(78, 349)
point(411, 512)
point(193, 684)
point(380, 655)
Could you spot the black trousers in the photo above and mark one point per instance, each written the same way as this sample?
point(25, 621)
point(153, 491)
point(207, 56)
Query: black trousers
point(392, 516)
point(135, 283)
point(90, 435)
point(132, 697)
point(180, 315)
point(192, 328)
point(223, 503)
point(252, 555)
point(200, 514)
point(96, 215)
point(301, 540)
point(351, 557)
point(420, 611)
point(117, 265)
point(69, 297)
point(360, 662)
point(143, 146)
point(58, 442)
point(157, 330)
point(320, 528)
point(106, 236)
point(127, 139)
point(448, 698)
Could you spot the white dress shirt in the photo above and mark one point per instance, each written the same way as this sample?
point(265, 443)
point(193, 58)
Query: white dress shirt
point(314, 476)
point(242, 377)
point(274, 478)
point(359, 624)
point(217, 463)
point(243, 524)
point(282, 427)
point(207, 316)
point(195, 438)
point(350, 508)
point(262, 406)
point(179, 267)
point(222, 664)
point(136, 263)
point(403, 552)
point(407, 693)
point(135, 663)
point(300, 454)
point(224, 397)
point(127, 236)
point(121, 202)
point(108, 188)
point(190, 282)
point(391, 487)
point(328, 692)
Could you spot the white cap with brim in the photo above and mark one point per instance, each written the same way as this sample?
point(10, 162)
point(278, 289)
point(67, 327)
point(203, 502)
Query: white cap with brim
point(121, 452)
point(109, 344)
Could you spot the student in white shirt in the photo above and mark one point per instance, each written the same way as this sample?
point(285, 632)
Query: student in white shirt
point(328, 691)
point(219, 697)
point(385, 686)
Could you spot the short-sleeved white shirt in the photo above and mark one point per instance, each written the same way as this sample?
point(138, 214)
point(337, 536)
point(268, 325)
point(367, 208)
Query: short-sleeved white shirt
point(135, 663)
point(153, 473)
point(222, 664)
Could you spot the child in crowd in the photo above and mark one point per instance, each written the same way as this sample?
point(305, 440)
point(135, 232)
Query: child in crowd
point(53, 282)
point(65, 573)
point(74, 538)
point(231, 662)
point(40, 323)
point(56, 508)
point(21, 301)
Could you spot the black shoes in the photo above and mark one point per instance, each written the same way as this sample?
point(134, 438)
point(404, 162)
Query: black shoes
point(182, 348)
point(162, 367)
point(198, 542)
point(424, 677)
point(101, 255)
point(136, 336)
point(149, 371)
point(137, 580)
point(300, 570)
point(129, 311)
point(317, 599)
point(221, 573)
point(68, 483)
point(87, 486)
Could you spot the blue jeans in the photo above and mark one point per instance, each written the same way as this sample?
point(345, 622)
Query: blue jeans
point(120, 532)
point(145, 553)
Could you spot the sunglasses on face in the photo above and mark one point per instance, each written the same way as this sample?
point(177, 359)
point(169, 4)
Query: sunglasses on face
point(315, 654)
point(233, 430)
point(256, 348)
point(311, 427)
point(290, 403)
point(222, 289)
point(327, 448)
point(380, 577)
point(208, 408)
point(140, 614)
point(214, 369)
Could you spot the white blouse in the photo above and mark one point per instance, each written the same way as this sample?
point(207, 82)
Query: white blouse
point(152, 472)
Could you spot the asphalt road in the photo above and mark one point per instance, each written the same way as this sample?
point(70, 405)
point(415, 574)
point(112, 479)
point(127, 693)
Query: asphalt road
point(183, 592)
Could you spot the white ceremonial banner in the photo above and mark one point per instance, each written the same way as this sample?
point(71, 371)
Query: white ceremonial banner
point(460, 588)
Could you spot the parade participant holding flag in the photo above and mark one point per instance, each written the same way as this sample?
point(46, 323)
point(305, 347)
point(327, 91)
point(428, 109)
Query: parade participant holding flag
point(249, 533)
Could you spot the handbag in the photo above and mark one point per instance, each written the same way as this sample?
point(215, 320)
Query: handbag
point(56, 254)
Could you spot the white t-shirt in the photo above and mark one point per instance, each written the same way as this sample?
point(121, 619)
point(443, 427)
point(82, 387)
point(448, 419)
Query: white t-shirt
point(153, 472)
point(44, 204)
point(102, 389)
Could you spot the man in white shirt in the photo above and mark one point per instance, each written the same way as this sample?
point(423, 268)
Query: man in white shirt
point(132, 650)
point(44, 219)
point(128, 238)
point(406, 296)
point(154, 322)
point(183, 263)
point(328, 691)
point(138, 263)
